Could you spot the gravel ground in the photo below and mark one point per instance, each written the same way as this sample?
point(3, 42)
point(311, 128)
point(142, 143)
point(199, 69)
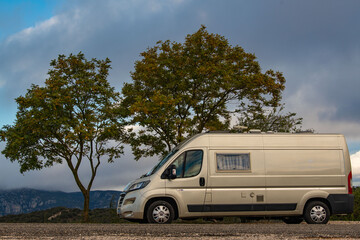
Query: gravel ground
point(333, 230)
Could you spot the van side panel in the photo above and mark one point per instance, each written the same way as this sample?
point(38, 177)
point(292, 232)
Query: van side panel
point(304, 168)
point(236, 141)
point(293, 141)
point(293, 168)
point(299, 168)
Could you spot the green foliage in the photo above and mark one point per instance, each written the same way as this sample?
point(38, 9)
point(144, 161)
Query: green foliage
point(72, 118)
point(64, 215)
point(43, 216)
point(269, 119)
point(180, 89)
point(105, 215)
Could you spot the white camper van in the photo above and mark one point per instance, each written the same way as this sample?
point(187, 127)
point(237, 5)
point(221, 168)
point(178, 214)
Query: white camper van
point(293, 176)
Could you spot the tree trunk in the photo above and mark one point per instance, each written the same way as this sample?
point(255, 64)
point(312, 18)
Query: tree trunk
point(86, 195)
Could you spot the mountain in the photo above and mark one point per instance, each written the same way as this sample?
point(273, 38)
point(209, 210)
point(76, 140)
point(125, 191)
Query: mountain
point(21, 201)
point(64, 215)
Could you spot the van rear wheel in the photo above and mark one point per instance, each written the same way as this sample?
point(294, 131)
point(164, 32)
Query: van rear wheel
point(317, 213)
point(160, 212)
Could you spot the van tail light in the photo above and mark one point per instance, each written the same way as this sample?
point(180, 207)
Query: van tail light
point(350, 183)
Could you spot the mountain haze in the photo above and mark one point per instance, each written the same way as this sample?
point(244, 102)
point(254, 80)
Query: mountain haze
point(29, 200)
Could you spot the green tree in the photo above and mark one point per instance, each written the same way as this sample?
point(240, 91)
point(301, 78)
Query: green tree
point(180, 89)
point(72, 118)
point(269, 119)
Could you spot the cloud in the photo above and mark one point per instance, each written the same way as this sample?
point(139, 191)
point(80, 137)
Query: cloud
point(119, 30)
point(318, 54)
point(314, 43)
point(2, 82)
point(355, 166)
point(28, 34)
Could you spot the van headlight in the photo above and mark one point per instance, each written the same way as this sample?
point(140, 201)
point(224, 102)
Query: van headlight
point(137, 186)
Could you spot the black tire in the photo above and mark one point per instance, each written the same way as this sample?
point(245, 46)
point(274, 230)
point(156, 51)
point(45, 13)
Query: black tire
point(160, 212)
point(317, 212)
point(293, 220)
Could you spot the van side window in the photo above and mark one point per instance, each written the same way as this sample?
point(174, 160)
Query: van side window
point(179, 163)
point(233, 162)
point(193, 163)
point(188, 164)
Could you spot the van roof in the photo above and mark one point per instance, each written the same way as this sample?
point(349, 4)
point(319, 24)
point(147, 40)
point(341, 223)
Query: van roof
point(317, 139)
point(267, 133)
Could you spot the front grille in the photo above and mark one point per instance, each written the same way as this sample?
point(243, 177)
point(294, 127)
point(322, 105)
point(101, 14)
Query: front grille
point(121, 199)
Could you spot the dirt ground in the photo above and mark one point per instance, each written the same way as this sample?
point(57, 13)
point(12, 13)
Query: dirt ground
point(333, 230)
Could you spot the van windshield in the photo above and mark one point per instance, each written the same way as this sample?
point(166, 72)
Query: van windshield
point(161, 163)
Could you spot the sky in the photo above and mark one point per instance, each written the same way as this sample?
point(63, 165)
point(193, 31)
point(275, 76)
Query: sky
point(315, 44)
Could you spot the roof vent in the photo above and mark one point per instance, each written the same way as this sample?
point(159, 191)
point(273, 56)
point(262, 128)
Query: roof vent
point(305, 131)
point(254, 131)
point(240, 129)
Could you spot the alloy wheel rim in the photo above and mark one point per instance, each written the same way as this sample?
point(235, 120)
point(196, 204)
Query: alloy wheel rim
point(161, 214)
point(318, 214)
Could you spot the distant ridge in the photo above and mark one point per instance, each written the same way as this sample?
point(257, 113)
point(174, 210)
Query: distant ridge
point(27, 200)
point(64, 215)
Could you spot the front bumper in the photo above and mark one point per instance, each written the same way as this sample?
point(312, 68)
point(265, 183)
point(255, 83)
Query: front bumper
point(128, 210)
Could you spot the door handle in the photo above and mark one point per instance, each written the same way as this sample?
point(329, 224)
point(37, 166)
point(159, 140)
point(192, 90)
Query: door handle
point(202, 181)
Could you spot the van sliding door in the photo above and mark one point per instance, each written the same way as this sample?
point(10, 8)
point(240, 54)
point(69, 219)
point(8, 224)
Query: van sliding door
point(236, 182)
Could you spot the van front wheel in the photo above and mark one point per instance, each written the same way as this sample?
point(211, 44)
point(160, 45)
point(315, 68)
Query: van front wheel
point(160, 212)
point(317, 213)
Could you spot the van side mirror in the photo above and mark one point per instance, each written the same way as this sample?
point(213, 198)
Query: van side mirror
point(169, 173)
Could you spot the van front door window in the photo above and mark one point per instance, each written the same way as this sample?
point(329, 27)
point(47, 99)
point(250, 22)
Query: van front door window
point(188, 164)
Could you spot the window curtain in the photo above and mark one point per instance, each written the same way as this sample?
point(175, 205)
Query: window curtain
point(233, 161)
